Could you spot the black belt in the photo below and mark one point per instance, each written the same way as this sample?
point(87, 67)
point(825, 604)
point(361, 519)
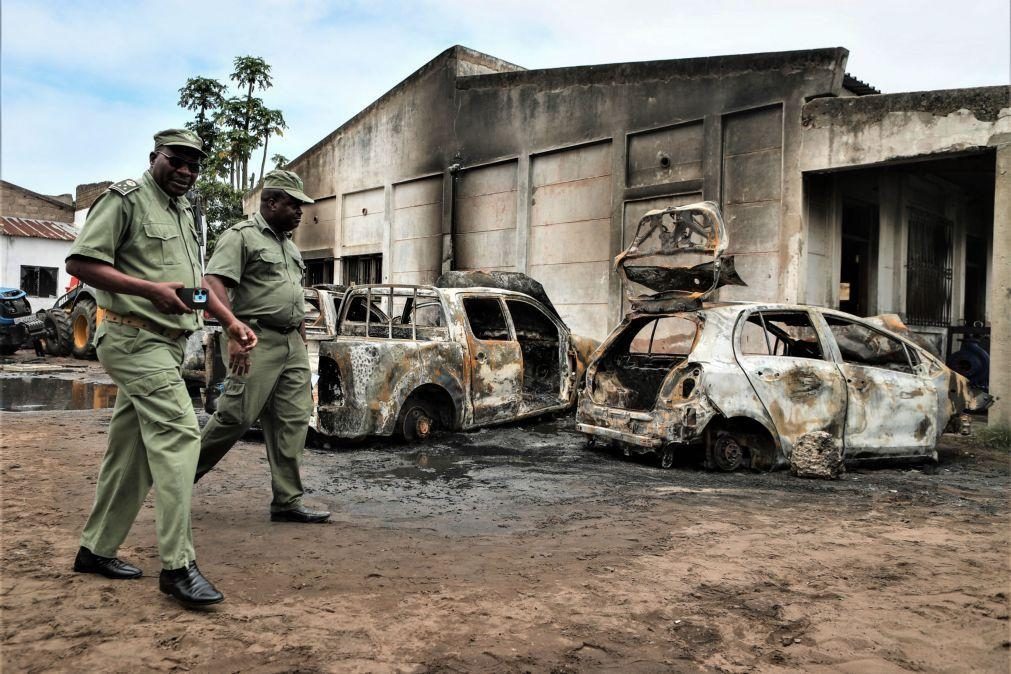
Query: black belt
point(257, 323)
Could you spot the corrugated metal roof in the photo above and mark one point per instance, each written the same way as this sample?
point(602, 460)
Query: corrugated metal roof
point(38, 229)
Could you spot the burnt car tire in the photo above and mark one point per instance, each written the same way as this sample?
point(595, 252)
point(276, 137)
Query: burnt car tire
point(666, 458)
point(58, 336)
point(83, 322)
point(417, 421)
point(726, 453)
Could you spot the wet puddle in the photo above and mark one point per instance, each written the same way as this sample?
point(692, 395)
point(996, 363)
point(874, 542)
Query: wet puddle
point(34, 394)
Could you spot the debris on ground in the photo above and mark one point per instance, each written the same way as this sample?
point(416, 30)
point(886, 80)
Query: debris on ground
point(817, 455)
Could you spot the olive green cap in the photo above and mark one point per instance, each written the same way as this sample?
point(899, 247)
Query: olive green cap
point(183, 137)
point(279, 179)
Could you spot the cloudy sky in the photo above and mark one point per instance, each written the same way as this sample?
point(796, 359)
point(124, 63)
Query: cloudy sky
point(84, 84)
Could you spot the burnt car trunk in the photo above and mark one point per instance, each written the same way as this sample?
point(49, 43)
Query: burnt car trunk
point(633, 367)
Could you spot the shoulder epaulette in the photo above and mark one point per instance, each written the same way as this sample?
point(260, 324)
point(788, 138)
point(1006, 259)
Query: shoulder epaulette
point(124, 187)
point(245, 224)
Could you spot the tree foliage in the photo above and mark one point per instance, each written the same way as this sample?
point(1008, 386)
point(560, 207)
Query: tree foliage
point(232, 127)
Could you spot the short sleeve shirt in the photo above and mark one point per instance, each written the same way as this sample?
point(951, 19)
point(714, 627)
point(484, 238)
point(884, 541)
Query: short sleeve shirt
point(267, 270)
point(143, 232)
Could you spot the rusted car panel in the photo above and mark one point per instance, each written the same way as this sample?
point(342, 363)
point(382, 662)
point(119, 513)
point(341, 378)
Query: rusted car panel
point(754, 379)
point(676, 256)
point(410, 358)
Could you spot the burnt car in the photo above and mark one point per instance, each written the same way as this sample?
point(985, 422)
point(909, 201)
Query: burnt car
point(744, 382)
point(408, 359)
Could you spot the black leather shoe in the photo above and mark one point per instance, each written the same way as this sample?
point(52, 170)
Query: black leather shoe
point(189, 586)
point(300, 514)
point(110, 567)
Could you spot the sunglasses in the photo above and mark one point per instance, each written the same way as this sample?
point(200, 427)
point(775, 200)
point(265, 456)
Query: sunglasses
point(178, 162)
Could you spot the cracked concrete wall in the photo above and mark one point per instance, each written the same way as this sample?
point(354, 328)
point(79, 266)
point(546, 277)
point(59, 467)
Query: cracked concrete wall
point(850, 132)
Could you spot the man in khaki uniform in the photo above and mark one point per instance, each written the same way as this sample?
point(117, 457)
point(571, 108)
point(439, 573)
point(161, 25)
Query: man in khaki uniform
point(138, 246)
point(257, 271)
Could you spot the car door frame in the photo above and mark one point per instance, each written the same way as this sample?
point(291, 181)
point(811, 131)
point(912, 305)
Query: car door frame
point(901, 406)
point(789, 387)
point(495, 368)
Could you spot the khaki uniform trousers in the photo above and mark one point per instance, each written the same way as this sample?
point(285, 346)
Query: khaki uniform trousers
point(275, 390)
point(153, 439)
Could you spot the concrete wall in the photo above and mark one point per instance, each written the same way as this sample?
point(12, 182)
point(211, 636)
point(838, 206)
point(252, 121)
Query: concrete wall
point(723, 129)
point(405, 135)
point(16, 251)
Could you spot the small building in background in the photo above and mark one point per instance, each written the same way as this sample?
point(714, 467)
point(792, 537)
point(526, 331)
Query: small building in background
point(32, 254)
point(36, 233)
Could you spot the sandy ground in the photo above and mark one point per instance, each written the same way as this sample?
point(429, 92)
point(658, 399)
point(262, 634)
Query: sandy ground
point(516, 549)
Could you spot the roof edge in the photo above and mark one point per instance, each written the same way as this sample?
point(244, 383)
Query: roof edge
point(449, 54)
point(44, 197)
point(711, 66)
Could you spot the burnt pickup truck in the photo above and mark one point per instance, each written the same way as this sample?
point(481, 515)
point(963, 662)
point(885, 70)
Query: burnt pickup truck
point(408, 359)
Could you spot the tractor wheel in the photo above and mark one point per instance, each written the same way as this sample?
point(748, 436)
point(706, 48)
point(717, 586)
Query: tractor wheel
point(58, 336)
point(417, 421)
point(83, 322)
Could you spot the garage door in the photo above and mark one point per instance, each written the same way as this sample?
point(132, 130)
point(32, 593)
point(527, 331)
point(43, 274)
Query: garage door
point(417, 231)
point(570, 233)
point(485, 202)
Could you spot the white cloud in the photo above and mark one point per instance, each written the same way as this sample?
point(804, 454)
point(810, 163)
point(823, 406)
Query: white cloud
point(86, 84)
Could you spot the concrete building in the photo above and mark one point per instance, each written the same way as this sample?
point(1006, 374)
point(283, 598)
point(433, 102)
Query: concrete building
point(833, 194)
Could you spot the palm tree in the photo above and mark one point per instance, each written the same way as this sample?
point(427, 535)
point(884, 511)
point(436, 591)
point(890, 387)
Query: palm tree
point(251, 72)
point(269, 122)
point(202, 94)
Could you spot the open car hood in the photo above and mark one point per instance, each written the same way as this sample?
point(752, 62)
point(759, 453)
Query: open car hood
point(676, 258)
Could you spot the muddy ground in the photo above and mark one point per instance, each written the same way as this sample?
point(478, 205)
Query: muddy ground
point(514, 549)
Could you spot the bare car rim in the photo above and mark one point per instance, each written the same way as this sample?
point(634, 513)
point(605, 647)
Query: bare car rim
point(727, 454)
point(418, 423)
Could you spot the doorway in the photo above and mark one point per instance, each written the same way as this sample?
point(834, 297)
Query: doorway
point(858, 259)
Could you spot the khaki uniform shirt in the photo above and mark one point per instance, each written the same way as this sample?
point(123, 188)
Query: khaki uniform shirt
point(267, 270)
point(143, 232)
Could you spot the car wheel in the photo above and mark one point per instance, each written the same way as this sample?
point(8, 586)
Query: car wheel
point(82, 321)
point(726, 453)
point(417, 421)
point(667, 458)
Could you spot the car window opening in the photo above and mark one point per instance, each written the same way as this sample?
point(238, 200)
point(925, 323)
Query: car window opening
point(631, 372)
point(539, 345)
point(487, 323)
point(862, 345)
point(781, 333)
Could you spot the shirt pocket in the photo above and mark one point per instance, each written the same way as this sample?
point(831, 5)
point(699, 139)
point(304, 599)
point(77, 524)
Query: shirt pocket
point(299, 266)
point(268, 263)
point(162, 243)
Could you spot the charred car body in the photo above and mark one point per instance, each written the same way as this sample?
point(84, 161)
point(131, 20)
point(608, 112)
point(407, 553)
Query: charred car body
point(408, 359)
point(747, 381)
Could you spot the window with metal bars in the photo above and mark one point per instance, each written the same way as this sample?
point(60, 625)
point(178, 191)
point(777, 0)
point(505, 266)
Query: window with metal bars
point(318, 271)
point(361, 269)
point(39, 281)
point(928, 269)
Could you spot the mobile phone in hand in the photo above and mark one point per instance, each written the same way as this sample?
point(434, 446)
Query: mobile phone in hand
point(194, 298)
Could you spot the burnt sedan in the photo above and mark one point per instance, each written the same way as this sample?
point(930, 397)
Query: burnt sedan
point(747, 381)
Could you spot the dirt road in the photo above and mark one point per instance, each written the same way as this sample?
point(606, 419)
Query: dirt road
point(516, 549)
